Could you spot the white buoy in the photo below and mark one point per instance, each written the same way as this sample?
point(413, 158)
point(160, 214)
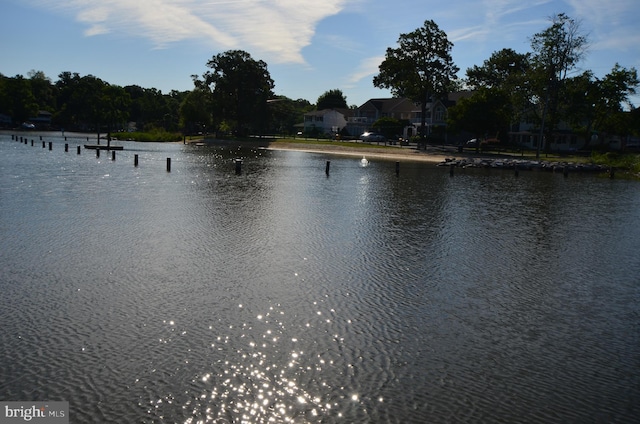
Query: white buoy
point(364, 162)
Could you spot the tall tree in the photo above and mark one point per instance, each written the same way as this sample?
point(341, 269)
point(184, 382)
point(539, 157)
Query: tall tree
point(485, 113)
point(240, 88)
point(286, 113)
point(17, 100)
point(506, 74)
point(420, 68)
point(557, 50)
point(195, 111)
point(332, 99)
point(43, 90)
point(504, 69)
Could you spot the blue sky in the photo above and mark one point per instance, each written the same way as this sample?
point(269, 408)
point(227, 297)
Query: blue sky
point(310, 46)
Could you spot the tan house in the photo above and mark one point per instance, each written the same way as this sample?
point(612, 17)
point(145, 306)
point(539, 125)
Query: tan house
point(402, 109)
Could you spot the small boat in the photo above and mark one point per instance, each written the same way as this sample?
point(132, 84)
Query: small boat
point(102, 147)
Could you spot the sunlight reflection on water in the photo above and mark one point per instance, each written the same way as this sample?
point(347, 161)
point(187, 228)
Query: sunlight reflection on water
point(286, 295)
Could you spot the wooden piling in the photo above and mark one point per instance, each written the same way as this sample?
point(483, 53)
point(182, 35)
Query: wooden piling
point(79, 149)
point(43, 145)
point(97, 153)
point(50, 145)
point(397, 169)
point(238, 166)
point(113, 155)
point(31, 143)
point(168, 164)
point(451, 168)
point(66, 147)
point(326, 169)
point(135, 160)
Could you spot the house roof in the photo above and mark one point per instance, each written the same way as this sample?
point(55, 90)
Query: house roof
point(390, 104)
point(344, 112)
point(386, 105)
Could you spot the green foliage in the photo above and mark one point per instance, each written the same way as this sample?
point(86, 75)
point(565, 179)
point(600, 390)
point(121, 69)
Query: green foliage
point(483, 114)
point(195, 111)
point(285, 113)
point(332, 99)
point(17, 99)
point(240, 87)
point(420, 68)
point(505, 69)
point(390, 127)
point(155, 135)
point(630, 162)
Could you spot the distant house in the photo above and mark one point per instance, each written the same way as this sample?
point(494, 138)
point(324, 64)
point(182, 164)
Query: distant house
point(402, 109)
point(5, 120)
point(42, 120)
point(326, 121)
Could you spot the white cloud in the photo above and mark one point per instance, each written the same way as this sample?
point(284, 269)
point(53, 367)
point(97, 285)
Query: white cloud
point(275, 29)
point(368, 67)
point(605, 12)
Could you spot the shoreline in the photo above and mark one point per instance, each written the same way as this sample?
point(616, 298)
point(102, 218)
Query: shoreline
point(407, 154)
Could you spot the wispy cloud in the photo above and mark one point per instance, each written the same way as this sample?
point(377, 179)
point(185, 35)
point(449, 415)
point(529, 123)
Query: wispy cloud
point(368, 67)
point(605, 12)
point(276, 30)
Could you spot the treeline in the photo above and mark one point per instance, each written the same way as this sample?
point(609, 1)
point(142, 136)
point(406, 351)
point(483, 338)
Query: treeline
point(87, 103)
point(543, 89)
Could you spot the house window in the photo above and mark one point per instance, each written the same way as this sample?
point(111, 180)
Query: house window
point(308, 118)
point(439, 114)
point(319, 119)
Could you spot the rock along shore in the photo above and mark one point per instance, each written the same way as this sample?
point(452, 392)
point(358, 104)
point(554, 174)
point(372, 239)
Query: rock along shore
point(523, 164)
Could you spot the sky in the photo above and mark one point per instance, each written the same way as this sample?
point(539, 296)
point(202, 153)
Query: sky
point(310, 47)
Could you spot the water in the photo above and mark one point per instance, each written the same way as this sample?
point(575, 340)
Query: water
point(283, 295)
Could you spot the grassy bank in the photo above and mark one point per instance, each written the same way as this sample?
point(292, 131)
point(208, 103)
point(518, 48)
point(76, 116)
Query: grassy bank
point(626, 161)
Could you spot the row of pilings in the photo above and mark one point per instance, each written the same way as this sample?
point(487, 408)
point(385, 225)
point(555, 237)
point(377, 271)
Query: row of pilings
point(238, 162)
point(516, 165)
point(136, 160)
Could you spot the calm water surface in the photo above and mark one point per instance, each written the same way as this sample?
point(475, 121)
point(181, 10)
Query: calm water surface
point(283, 295)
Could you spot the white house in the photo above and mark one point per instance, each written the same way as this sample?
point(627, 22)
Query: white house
point(326, 121)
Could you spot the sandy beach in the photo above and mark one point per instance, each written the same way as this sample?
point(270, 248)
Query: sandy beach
point(391, 153)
